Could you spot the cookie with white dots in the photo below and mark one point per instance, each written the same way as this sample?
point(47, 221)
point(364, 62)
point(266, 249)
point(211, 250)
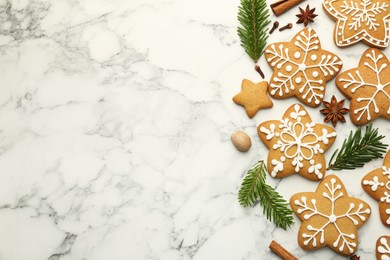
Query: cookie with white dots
point(360, 20)
point(368, 87)
point(377, 184)
point(296, 144)
point(330, 217)
point(301, 68)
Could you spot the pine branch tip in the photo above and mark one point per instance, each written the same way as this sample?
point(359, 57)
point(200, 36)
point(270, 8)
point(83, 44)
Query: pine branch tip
point(358, 148)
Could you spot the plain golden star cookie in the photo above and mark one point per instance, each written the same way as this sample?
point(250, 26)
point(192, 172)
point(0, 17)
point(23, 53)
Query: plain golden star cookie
point(296, 144)
point(360, 20)
point(383, 248)
point(329, 217)
point(253, 97)
point(377, 184)
point(368, 87)
point(301, 68)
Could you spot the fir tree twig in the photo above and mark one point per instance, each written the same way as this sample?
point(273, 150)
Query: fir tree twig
point(253, 17)
point(254, 189)
point(358, 149)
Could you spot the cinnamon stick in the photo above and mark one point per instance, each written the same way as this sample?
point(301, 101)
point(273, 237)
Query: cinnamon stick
point(282, 6)
point(281, 251)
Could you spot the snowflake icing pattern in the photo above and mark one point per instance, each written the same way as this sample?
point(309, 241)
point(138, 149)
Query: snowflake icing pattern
point(330, 210)
point(299, 69)
point(295, 138)
point(363, 12)
point(368, 86)
point(377, 184)
point(360, 19)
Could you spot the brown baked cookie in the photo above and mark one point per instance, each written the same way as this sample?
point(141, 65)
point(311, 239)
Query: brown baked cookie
point(377, 184)
point(296, 144)
point(301, 68)
point(329, 217)
point(253, 97)
point(383, 248)
point(360, 20)
point(368, 87)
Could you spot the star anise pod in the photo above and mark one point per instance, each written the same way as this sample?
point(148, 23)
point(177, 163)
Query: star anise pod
point(354, 257)
point(306, 15)
point(334, 111)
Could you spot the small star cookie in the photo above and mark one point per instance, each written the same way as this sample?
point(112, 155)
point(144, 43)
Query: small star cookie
point(360, 20)
point(301, 68)
point(368, 87)
point(296, 144)
point(383, 248)
point(253, 97)
point(329, 217)
point(377, 184)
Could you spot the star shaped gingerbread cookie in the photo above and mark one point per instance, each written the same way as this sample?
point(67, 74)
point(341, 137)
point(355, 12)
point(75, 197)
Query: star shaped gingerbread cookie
point(329, 217)
point(360, 20)
point(377, 184)
point(301, 68)
point(368, 87)
point(253, 97)
point(296, 144)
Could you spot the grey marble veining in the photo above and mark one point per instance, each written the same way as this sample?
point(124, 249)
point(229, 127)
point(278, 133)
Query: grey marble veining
point(115, 124)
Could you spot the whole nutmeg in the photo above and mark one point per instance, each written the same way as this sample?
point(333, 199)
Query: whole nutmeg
point(241, 141)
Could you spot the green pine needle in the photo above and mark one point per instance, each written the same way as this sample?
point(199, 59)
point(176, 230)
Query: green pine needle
point(254, 188)
point(358, 149)
point(253, 17)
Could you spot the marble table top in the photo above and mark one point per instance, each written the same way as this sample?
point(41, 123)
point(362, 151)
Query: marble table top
point(115, 124)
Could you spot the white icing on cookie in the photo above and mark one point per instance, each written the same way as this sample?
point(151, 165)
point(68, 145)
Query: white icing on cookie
point(384, 248)
point(299, 67)
point(356, 82)
point(388, 213)
point(353, 14)
point(354, 213)
point(294, 141)
point(379, 184)
point(363, 12)
point(279, 166)
point(316, 169)
point(374, 183)
point(386, 171)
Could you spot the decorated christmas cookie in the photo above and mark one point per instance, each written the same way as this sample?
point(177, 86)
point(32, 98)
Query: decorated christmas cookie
point(253, 97)
point(360, 20)
point(368, 87)
point(383, 248)
point(329, 217)
point(301, 68)
point(296, 144)
point(377, 185)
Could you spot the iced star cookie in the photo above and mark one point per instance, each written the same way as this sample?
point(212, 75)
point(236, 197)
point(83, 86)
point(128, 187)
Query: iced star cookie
point(301, 68)
point(360, 20)
point(296, 144)
point(383, 248)
point(253, 97)
point(368, 87)
point(377, 184)
point(329, 217)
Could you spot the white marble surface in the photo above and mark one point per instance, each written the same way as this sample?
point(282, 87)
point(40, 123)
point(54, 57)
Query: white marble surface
point(115, 124)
